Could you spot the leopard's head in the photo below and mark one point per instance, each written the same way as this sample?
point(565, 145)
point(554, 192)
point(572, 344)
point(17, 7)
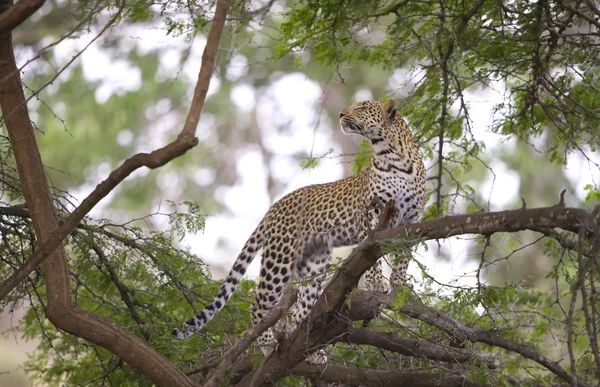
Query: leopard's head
point(376, 121)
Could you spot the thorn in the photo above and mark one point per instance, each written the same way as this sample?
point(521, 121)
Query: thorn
point(524, 207)
point(561, 202)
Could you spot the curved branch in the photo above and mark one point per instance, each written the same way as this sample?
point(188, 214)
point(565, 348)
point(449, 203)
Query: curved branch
point(412, 347)
point(12, 17)
point(362, 377)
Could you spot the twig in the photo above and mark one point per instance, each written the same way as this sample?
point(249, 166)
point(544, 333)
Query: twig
point(123, 290)
point(569, 322)
point(17, 14)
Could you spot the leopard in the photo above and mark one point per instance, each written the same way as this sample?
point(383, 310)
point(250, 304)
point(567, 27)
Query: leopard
point(299, 231)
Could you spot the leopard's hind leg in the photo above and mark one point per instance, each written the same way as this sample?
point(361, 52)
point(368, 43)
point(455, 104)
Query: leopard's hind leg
point(374, 279)
point(311, 272)
point(399, 264)
point(275, 272)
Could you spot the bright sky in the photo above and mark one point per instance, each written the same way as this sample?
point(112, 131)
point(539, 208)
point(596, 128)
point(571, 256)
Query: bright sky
point(276, 106)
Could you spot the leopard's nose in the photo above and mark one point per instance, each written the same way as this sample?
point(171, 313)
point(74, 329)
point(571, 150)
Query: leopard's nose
point(342, 114)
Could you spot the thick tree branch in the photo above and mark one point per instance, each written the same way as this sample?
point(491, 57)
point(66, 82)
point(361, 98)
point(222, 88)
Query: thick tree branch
point(185, 141)
point(15, 15)
point(534, 219)
point(19, 211)
point(60, 309)
point(363, 377)
point(412, 347)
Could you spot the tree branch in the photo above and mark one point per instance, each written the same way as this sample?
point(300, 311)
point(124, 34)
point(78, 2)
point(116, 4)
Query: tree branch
point(122, 288)
point(15, 15)
point(534, 219)
point(19, 211)
point(412, 347)
point(461, 332)
point(363, 377)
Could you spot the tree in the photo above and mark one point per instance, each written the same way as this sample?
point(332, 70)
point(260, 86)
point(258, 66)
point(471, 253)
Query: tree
point(140, 283)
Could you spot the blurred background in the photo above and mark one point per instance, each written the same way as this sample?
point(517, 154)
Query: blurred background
point(269, 126)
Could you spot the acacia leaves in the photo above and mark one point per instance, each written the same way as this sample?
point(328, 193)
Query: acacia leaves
point(550, 75)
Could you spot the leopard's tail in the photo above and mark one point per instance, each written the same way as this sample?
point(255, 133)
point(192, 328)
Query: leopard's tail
point(253, 244)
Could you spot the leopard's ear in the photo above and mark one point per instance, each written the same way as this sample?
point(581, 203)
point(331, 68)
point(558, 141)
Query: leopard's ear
point(389, 108)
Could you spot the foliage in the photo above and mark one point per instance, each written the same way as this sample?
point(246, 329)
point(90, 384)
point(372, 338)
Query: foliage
point(363, 157)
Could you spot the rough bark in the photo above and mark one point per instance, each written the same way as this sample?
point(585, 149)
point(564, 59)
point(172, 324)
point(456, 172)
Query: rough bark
point(17, 14)
point(486, 223)
point(60, 309)
point(414, 348)
point(375, 378)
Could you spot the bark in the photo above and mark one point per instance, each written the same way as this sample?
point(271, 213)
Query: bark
point(375, 378)
point(17, 14)
point(60, 309)
point(486, 223)
point(414, 348)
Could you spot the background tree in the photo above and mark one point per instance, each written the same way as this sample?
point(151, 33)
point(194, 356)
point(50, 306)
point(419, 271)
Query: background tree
point(106, 80)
